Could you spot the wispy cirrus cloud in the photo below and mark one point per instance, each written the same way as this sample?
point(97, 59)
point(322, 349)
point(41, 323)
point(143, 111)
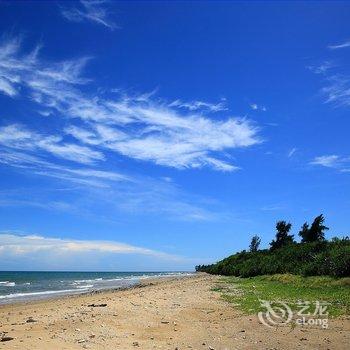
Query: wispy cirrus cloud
point(273, 207)
point(18, 137)
point(336, 89)
point(95, 130)
point(322, 67)
point(342, 45)
point(335, 79)
point(94, 11)
point(200, 105)
point(291, 152)
point(111, 190)
point(141, 126)
point(256, 107)
point(40, 166)
point(333, 161)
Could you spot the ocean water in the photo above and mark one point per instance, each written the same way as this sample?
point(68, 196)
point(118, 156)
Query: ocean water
point(22, 286)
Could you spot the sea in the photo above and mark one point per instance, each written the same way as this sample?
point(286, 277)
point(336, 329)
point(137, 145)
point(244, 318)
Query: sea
point(19, 286)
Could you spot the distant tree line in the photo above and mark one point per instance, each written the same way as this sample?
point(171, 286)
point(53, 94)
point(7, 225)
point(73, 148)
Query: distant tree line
point(313, 255)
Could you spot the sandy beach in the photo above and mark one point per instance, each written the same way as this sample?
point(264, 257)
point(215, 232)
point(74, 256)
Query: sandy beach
point(173, 313)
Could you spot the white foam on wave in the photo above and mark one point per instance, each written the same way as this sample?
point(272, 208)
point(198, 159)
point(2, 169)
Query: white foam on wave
point(88, 281)
point(85, 286)
point(7, 284)
point(33, 294)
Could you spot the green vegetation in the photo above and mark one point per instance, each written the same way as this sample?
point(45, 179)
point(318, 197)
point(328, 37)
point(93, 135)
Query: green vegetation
point(282, 237)
point(246, 293)
point(254, 244)
point(313, 256)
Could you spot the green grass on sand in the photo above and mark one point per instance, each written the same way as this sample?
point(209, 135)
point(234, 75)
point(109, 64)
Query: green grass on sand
point(246, 293)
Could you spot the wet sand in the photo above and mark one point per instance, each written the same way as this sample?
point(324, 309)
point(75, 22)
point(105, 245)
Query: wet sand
point(173, 313)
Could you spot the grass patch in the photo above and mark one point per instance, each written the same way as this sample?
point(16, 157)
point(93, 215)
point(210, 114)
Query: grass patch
point(246, 293)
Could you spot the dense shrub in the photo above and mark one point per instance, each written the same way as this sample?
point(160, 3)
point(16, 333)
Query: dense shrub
point(315, 258)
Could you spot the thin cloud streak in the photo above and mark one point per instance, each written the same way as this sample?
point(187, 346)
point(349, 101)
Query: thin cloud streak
point(109, 189)
point(333, 161)
point(93, 11)
point(39, 166)
point(336, 89)
point(200, 105)
point(18, 137)
point(340, 45)
point(291, 152)
point(256, 107)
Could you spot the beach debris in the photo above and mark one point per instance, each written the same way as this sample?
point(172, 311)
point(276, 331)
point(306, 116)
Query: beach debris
point(31, 319)
point(82, 341)
point(165, 322)
point(97, 305)
point(135, 343)
point(6, 338)
point(211, 348)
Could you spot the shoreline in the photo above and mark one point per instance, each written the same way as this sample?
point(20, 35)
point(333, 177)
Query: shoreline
point(126, 283)
point(61, 296)
point(168, 313)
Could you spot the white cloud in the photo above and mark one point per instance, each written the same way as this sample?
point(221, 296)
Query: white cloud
point(39, 166)
point(18, 137)
point(109, 189)
point(330, 161)
point(336, 81)
point(292, 152)
point(256, 107)
point(340, 45)
point(141, 127)
point(91, 129)
point(15, 245)
point(200, 105)
point(322, 68)
point(94, 11)
point(337, 90)
point(333, 161)
point(277, 207)
point(6, 87)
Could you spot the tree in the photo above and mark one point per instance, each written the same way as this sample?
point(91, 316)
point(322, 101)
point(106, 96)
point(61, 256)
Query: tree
point(316, 231)
point(254, 244)
point(304, 233)
point(282, 236)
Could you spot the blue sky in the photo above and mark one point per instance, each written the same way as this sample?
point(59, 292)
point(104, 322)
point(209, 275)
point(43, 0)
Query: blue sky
point(160, 135)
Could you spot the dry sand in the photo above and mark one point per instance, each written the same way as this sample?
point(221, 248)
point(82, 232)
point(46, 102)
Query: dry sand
point(165, 314)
